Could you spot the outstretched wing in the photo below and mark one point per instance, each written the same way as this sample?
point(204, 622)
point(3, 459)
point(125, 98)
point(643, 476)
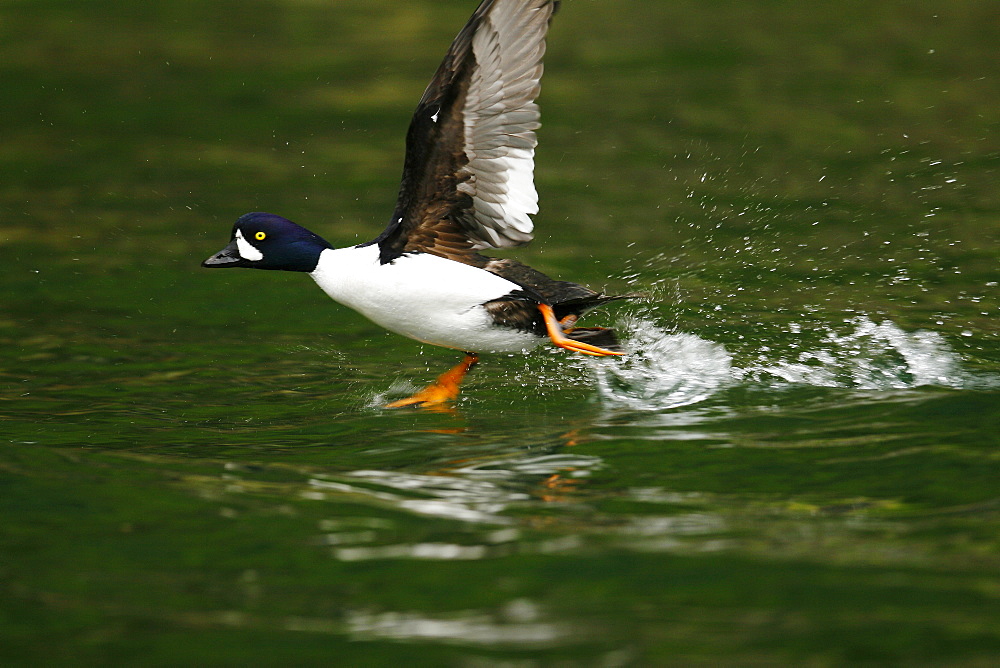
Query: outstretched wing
point(468, 174)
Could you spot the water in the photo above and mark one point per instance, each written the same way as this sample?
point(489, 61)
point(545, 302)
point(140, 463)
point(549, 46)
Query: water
point(796, 464)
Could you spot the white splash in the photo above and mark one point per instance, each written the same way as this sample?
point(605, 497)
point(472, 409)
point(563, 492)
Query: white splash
point(871, 357)
point(662, 370)
point(665, 370)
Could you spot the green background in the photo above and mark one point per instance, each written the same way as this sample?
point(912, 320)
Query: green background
point(797, 465)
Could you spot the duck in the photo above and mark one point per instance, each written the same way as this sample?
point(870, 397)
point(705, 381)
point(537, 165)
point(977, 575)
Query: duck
point(467, 186)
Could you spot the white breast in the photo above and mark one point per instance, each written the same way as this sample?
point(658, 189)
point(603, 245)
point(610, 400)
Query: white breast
point(424, 297)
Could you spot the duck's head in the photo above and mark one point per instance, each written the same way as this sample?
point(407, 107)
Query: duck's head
point(267, 241)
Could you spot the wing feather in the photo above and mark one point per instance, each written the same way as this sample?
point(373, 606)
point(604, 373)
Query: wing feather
point(468, 177)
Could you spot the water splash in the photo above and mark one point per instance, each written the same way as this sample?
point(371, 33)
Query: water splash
point(667, 370)
point(662, 370)
point(874, 356)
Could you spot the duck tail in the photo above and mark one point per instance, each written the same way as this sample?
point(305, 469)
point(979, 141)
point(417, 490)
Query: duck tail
point(581, 305)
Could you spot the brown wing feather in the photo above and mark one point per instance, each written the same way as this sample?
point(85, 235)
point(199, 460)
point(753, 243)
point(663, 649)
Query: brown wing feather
point(469, 149)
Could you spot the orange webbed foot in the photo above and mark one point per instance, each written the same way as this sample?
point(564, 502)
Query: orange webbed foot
point(559, 338)
point(442, 390)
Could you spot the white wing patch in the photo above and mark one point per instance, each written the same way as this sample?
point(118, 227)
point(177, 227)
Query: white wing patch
point(247, 250)
point(500, 122)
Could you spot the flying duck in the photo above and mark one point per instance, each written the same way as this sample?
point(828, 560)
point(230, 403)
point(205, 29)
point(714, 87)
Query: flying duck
point(467, 185)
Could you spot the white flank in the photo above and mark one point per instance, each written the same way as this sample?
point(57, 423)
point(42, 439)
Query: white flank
point(423, 297)
point(246, 249)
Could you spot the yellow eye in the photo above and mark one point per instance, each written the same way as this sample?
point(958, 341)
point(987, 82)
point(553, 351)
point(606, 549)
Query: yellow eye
point(260, 236)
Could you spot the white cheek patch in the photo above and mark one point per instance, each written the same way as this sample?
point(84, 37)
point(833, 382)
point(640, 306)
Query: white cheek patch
point(246, 249)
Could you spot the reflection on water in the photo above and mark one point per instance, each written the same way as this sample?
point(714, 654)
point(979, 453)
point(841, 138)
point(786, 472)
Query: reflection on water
point(475, 494)
point(455, 498)
point(520, 622)
point(529, 506)
point(470, 492)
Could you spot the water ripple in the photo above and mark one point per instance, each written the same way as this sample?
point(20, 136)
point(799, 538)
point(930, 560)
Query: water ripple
point(518, 623)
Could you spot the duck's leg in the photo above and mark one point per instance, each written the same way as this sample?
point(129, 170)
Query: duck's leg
point(567, 323)
point(444, 389)
point(555, 331)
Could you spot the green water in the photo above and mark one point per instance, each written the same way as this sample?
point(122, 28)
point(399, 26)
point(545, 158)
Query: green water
point(797, 465)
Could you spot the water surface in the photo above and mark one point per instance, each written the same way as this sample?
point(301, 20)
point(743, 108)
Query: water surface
point(797, 464)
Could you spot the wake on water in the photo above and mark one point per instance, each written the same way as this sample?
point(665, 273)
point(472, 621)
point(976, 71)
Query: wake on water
point(666, 370)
